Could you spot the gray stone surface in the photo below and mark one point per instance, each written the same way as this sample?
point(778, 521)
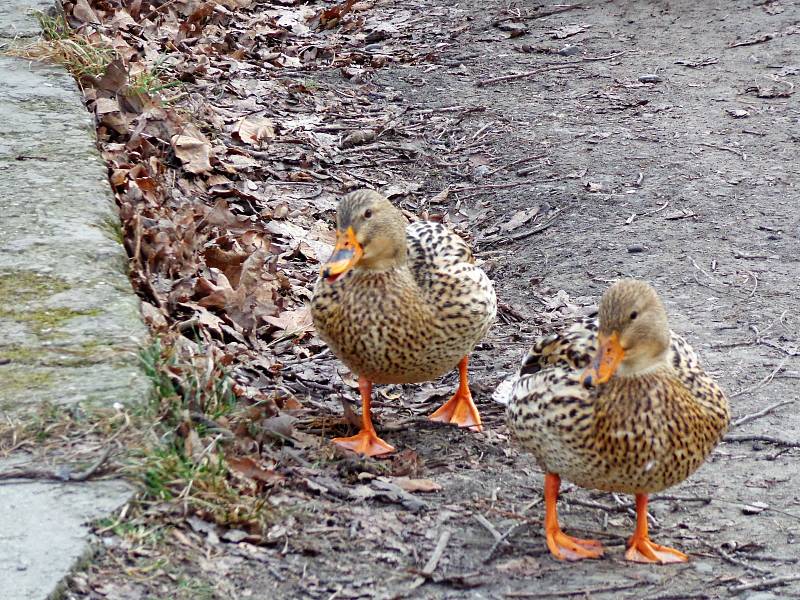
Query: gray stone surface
point(18, 17)
point(48, 534)
point(70, 326)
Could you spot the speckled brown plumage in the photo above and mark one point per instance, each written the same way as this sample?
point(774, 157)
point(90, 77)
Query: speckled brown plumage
point(415, 310)
point(413, 322)
point(638, 433)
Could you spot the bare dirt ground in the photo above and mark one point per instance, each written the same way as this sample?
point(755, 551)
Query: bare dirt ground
point(659, 143)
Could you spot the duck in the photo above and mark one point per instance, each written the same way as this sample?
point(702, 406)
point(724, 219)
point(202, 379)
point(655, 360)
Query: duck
point(400, 303)
point(616, 402)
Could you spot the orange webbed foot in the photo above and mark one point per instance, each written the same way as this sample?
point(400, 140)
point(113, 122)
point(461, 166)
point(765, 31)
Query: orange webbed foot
point(366, 443)
point(561, 545)
point(460, 409)
point(642, 550)
point(565, 547)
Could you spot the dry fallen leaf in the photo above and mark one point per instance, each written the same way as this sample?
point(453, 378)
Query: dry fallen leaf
point(255, 130)
point(526, 565)
point(417, 485)
point(569, 31)
point(248, 467)
point(84, 12)
point(292, 322)
point(519, 218)
point(193, 150)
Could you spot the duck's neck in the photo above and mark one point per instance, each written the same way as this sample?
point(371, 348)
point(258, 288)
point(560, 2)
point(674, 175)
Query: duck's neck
point(384, 255)
point(644, 365)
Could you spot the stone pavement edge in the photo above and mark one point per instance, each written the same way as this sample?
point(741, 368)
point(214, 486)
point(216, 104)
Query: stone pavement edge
point(70, 324)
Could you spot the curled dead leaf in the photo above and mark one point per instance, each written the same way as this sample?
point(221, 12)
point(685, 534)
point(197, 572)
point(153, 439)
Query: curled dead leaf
point(255, 130)
point(417, 485)
point(249, 468)
point(193, 150)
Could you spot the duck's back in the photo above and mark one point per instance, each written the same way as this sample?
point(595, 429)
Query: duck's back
point(631, 435)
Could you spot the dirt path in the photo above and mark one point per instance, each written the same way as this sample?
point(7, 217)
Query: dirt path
point(660, 143)
point(688, 182)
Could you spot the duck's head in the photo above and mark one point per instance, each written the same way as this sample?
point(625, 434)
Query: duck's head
point(634, 336)
point(370, 234)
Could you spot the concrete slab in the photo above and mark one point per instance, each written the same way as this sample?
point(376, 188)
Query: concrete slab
point(70, 326)
point(48, 534)
point(18, 17)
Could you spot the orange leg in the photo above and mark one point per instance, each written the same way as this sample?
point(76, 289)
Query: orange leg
point(641, 549)
point(365, 441)
point(460, 410)
point(563, 546)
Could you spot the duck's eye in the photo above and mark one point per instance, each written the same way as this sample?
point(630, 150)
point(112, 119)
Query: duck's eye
point(368, 213)
point(634, 314)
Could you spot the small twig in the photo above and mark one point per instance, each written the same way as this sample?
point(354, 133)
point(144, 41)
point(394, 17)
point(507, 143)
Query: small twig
point(733, 560)
point(490, 186)
point(738, 153)
point(607, 57)
point(445, 109)
point(756, 415)
point(524, 74)
point(489, 527)
point(211, 425)
point(516, 163)
point(478, 133)
point(541, 14)
point(752, 42)
point(84, 475)
point(520, 234)
point(158, 9)
point(762, 585)
point(433, 561)
point(771, 344)
point(761, 438)
point(511, 530)
point(668, 498)
point(620, 508)
point(582, 592)
point(699, 268)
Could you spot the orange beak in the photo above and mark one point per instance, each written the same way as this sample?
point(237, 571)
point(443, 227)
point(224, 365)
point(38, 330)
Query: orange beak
point(345, 255)
point(606, 361)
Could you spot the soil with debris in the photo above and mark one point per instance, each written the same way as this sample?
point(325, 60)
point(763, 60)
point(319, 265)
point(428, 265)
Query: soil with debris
point(572, 144)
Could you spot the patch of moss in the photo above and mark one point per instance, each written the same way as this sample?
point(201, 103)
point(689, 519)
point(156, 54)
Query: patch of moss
point(111, 226)
point(26, 286)
point(43, 320)
point(84, 355)
point(16, 379)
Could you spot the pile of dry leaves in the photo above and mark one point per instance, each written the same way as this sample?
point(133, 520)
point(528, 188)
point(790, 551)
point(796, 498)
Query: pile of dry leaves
point(227, 151)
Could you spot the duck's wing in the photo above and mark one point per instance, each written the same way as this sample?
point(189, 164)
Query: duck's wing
point(553, 368)
point(703, 388)
point(572, 349)
point(443, 267)
point(432, 245)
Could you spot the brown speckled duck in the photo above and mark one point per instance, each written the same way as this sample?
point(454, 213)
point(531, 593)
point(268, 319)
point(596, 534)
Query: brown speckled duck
point(618, 404)
point(400, 303)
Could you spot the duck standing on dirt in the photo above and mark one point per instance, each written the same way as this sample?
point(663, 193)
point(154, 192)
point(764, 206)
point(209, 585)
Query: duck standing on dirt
point(400, 303)
point(618, 404)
